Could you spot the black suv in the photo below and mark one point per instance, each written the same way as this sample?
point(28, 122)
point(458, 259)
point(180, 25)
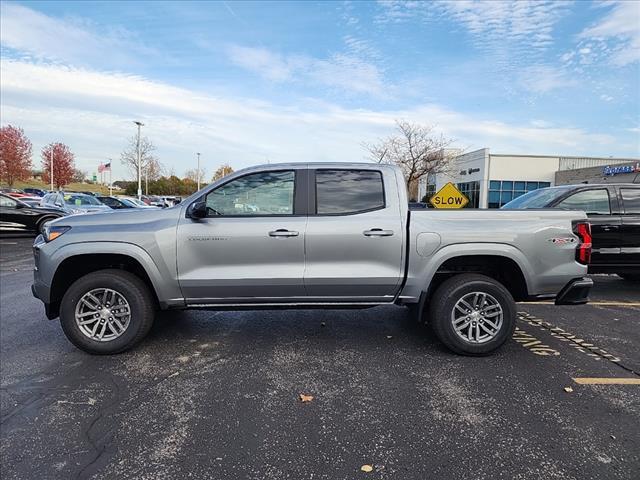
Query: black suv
point(614, 214)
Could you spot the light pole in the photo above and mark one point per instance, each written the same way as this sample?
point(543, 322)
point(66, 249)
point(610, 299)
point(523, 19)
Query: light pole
point(139, 124)
point(198, 154)
point(110, 182)
point(51, 166)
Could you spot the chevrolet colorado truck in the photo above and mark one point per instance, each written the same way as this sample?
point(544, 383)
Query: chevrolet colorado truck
point(309, 235)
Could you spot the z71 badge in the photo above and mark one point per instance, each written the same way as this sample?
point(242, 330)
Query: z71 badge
point(562, 240)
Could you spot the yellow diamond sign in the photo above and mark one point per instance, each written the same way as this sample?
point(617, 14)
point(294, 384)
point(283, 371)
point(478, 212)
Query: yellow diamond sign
point(449, 197)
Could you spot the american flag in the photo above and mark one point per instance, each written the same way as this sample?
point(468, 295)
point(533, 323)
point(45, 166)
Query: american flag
point(104, 167)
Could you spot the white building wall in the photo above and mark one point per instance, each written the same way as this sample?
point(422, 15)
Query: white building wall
point(529, 168)
point(523, 167)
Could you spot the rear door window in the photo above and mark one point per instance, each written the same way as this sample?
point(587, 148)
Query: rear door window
point(594, 202)
point(631, 200)
point(344, 192)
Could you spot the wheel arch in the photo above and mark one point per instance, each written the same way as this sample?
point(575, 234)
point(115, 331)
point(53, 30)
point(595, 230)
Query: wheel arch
point(501, 262)
point(76, 260)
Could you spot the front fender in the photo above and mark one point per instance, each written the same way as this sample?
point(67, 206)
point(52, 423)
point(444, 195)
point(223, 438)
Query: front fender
point(163, 277)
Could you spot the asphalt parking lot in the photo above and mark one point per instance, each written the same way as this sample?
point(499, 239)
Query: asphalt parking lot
point(216, 395)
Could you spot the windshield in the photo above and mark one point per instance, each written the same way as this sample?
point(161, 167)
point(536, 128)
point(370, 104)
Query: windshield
point(536, 199)
point(78, 200)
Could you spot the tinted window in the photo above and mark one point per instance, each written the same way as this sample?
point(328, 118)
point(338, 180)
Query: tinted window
point(111, 202)
point(348, 191)
point(80, 199)
point(265, 193)
point(591, 201)
point(7, 202)
point(535, 199)
point(631, 200)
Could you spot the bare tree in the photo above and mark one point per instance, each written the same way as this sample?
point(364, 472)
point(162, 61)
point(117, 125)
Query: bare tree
point(150, 166)
point(415, 148)
point(193, 175)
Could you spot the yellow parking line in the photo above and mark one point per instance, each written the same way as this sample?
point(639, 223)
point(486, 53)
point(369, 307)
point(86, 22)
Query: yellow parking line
point(607, 381)
point(610, 304)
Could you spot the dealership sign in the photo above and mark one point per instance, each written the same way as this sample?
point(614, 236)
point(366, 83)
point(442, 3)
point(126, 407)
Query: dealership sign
point(620, 169)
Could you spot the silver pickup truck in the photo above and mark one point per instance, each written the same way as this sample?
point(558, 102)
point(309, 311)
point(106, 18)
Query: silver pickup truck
point(325, 235)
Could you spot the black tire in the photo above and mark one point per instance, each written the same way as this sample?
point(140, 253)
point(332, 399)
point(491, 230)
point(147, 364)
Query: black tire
point(135, 292)
point(443, 302)
point(41, 222)
point(630, 277)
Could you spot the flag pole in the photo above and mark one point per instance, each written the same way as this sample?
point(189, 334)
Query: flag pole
point(51, 165)
point(110, 182)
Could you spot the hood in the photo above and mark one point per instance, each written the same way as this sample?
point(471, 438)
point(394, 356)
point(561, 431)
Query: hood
point(109, 219)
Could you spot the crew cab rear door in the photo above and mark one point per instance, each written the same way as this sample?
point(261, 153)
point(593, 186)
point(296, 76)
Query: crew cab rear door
point(354, 236)
point(250, 246)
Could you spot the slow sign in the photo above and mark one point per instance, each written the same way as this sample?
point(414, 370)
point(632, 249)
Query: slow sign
point(449, 197)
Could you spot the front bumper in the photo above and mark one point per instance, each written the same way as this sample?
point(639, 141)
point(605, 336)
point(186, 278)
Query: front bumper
point(576, 292)
point(39, 288)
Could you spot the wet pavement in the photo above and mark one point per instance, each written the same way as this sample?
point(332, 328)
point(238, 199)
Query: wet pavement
point(216, 394)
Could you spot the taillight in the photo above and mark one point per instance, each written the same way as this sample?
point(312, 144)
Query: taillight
point(583, 252)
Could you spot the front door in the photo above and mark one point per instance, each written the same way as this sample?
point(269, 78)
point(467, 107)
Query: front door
point(354, 237)
point(250, 247)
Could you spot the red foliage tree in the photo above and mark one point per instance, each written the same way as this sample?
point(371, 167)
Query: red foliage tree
point(63, 164)
point(15, 155)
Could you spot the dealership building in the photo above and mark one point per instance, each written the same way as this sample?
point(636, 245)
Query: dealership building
point(490, 180)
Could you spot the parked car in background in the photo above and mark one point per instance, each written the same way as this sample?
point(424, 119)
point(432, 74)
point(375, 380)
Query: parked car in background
point(614, 215)
point(114, 203)
point(17, 216)
point(154, 201)
point(35, 191)
point(73, 202)
point(32, 201)
point(134, 202)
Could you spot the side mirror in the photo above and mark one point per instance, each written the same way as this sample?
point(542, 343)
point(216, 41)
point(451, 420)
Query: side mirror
point(198, 210)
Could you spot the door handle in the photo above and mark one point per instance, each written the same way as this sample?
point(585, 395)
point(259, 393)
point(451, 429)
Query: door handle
point(283, 232)
point(377, 232)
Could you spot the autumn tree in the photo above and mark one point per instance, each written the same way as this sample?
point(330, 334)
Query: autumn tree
point(149, 164)
point(222, 171)
point(416, 149)
point(15, 155)
point(63, 164)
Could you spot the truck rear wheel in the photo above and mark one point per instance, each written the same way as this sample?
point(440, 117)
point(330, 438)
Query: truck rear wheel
point(472, 314)
point(107, 312)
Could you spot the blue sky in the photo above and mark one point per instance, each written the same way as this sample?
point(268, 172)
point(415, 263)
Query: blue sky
point(250, 82)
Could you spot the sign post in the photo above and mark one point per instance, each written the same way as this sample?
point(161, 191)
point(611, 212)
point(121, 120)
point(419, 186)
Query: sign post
point(449, 197)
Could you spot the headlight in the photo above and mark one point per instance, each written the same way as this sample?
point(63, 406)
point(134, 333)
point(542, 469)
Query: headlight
point(51, 232)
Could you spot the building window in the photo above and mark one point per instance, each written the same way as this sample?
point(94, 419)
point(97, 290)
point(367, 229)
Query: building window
point(503, 191)
point(429, 192)
point(472, 192)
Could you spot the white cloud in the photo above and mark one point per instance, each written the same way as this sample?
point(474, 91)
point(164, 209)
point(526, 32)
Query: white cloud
point(93, 112)
point(619, 31)
point(522, 28)
point(30, 32)
point(544, 78)
point(345, 71)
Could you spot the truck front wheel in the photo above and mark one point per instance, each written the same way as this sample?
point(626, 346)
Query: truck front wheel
point(107, 312)
point(472, 314)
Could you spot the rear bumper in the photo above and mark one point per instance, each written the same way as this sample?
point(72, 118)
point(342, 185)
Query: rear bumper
point(576, 292)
